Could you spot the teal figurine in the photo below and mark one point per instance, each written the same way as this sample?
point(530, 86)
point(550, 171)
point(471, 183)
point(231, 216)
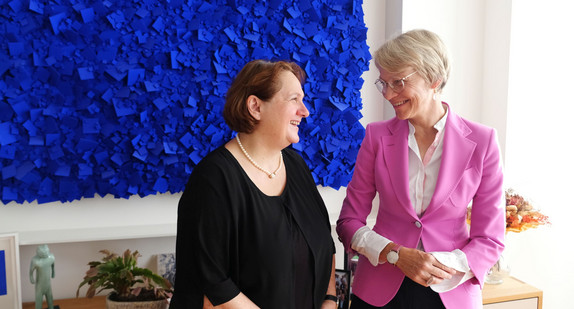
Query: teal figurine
point(43, 264)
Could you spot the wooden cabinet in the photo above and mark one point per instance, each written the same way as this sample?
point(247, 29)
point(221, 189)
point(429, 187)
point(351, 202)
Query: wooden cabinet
point(98, 302)
point(511, 294)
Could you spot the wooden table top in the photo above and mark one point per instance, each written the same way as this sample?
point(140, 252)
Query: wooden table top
point(510, 289)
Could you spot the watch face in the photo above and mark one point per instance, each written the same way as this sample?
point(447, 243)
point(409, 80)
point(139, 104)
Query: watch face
point(392, 257)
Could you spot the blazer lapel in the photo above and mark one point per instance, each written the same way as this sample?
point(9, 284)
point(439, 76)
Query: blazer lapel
point(396, 149)
point(457, 151)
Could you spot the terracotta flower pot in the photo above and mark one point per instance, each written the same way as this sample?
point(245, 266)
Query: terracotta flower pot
point(151, 304)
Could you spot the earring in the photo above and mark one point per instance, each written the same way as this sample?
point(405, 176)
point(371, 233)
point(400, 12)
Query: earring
point(435, 94)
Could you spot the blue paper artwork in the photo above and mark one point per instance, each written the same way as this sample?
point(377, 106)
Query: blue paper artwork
point(3, 277)
point(125, 97)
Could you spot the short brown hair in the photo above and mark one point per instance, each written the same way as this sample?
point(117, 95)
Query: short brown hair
point(258, 78)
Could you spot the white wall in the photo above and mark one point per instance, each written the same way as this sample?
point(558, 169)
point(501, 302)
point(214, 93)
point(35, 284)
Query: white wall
point(539, 147)
point(484, 86)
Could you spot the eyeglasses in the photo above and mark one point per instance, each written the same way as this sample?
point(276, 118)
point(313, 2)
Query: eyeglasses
point(397, 85)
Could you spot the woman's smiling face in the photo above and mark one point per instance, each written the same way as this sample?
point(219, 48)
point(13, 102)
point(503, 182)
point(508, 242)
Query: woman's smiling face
point(282, 114)
point(414, 100)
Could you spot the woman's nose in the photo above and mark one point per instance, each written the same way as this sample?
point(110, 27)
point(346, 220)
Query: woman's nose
point(389, 94)
point(303, 110)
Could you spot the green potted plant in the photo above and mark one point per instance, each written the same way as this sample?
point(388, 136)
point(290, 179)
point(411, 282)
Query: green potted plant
point(132, 286)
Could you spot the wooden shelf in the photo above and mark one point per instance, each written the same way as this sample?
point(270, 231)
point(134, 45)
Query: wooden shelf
point(92, 219)
point(510, 290)
point(98, 302)
point(93, 234)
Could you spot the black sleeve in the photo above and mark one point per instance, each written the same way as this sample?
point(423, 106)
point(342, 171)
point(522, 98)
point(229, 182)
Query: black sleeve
point(203, 235)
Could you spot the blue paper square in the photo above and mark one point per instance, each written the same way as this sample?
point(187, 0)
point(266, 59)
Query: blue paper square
point(6, 135)
point(36, 6)
point(8, 171)
point(55, 22)
point(16, 48)
point(63, 171)
point(87, 14)
point(135, 75)
point(86, 73)
point(9, 194)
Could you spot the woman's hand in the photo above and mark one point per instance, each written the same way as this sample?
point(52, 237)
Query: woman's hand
point(238, 302)
point(206, 303)
point(329, 304)
point(423, 268)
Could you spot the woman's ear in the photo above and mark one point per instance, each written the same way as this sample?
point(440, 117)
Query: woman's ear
point(254, 106)
point(435, 85)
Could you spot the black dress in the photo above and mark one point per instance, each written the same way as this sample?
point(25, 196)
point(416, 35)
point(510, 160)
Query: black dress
point(233, 238)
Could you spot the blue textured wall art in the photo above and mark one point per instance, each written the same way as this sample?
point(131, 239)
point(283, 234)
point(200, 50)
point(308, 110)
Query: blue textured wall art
point(125, 97)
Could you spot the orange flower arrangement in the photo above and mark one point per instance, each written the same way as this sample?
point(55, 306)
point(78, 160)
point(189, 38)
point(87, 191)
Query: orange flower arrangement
point(520, 215)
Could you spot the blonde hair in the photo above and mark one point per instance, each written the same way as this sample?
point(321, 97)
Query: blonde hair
point(420, 49)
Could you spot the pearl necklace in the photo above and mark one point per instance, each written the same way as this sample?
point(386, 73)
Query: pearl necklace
point(269, 174)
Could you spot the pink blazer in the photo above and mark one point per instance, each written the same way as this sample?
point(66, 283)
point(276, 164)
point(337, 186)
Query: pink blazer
point(470, 172)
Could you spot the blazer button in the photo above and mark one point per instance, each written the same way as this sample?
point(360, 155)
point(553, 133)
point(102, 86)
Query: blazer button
point(418, 224)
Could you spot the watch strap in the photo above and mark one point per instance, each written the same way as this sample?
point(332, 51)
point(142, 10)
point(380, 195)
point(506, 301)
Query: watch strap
point(396, 247)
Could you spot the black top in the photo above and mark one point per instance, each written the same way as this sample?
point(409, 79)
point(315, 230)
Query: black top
point(233, 238)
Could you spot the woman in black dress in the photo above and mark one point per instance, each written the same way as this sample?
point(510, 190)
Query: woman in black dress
point(253, 231)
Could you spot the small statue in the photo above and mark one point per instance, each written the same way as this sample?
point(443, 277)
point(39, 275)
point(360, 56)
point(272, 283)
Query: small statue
point(43, 264)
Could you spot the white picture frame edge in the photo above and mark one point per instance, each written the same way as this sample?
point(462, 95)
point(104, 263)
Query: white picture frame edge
point(10, 244)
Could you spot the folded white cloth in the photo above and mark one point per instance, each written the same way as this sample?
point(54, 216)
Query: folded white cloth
point(457, 260)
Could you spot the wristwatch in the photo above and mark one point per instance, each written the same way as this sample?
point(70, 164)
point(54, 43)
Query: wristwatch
point(331, 297)
point(393, 255)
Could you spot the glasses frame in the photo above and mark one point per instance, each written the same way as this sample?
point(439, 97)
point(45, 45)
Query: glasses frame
point(397, 85)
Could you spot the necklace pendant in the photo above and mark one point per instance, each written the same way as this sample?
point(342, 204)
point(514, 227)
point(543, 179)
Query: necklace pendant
point(270, 175)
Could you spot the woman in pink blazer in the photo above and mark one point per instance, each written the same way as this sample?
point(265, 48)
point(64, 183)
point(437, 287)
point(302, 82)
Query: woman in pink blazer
point(427, 165)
